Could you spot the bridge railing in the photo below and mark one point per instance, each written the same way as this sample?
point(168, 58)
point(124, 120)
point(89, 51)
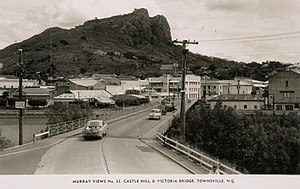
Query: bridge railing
point(59, 128)
point(190, 153)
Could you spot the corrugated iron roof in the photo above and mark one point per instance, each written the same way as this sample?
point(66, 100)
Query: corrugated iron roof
point(84, 82)
point(100, 95)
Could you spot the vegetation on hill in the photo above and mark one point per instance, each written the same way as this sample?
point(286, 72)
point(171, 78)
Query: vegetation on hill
point(256, 144)
point(131, 44)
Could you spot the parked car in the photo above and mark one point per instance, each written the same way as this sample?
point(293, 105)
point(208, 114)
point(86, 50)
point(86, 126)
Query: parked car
point(94, 129)
point(155, 114)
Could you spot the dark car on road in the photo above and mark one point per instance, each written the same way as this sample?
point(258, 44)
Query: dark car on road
point(94, 129)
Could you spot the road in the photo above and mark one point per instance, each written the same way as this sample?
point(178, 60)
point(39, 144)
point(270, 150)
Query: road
point(120, 152)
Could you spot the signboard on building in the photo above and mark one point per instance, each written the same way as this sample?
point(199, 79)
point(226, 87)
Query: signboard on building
point(20, 104)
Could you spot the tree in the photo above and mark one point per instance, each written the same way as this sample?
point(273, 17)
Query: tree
point(212, 67)
point(258, 143)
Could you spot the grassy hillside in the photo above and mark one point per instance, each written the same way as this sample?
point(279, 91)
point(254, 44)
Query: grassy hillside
point(130, 44)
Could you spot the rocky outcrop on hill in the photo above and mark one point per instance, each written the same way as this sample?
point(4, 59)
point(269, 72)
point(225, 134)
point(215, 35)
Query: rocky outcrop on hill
point(143, 28)
point(160, 28)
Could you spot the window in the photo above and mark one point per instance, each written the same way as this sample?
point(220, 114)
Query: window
point(235, 106)
point(286, 83)
point(289, 107)
point(287, 94)
point(245, 107)
point(255, 107)
point(278, 107)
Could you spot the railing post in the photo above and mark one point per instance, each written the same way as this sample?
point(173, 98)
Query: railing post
point(48, 129)
point(33, 139)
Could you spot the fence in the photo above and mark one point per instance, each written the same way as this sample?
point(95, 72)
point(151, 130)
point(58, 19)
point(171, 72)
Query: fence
point(190, 153)
point(59, 128)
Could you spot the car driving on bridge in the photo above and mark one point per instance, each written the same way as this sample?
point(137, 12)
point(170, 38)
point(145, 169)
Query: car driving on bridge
point(94, 129)
point(155, 114)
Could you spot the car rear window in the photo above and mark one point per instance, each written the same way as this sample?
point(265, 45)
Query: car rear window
point(94, 124)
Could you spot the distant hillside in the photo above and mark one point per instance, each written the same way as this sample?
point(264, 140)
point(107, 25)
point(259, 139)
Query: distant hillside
point(131, 44)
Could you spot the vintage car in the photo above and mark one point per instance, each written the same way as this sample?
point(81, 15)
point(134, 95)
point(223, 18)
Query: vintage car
point(94, 129)
point(155, 114)
point(169, 107)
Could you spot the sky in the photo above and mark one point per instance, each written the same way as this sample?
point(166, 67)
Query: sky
point(239, 30)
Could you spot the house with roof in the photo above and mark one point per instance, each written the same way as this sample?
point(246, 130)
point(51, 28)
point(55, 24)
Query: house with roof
point(238, 87)
point(170, 68)
point(33, 94)
point(239, 102)
point(85, 84)
point(284, 90)
point(96, 97)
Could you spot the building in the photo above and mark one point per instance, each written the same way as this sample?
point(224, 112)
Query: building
point(170, 84)
point(6, 83)
point(239, 87)
point(193, 87)
point(211, 88)
point(239, 102)
point(34, 94)
point(82, 84)
point(92, 96)
point(284, 90)
point(258, 87)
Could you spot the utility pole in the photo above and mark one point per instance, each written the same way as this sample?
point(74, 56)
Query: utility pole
point(182, 107)
point(20, 97)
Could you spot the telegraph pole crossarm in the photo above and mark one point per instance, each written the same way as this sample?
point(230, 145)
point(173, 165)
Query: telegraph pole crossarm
point(182, 106)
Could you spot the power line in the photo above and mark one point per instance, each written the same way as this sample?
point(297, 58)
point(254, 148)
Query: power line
point(246, 41)
point(273, 53)
point(254, 37)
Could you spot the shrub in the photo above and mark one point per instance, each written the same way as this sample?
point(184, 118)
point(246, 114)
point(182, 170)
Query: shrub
point(37, 102)
point(3, 102)
point(11, 102)
point(5, 142)
point(128, 100)
point(62, 112)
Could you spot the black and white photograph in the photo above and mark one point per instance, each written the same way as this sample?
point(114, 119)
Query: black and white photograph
point(149, 94)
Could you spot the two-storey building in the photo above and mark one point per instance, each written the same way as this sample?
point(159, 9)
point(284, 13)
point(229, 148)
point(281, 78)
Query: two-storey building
point(284, 90)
